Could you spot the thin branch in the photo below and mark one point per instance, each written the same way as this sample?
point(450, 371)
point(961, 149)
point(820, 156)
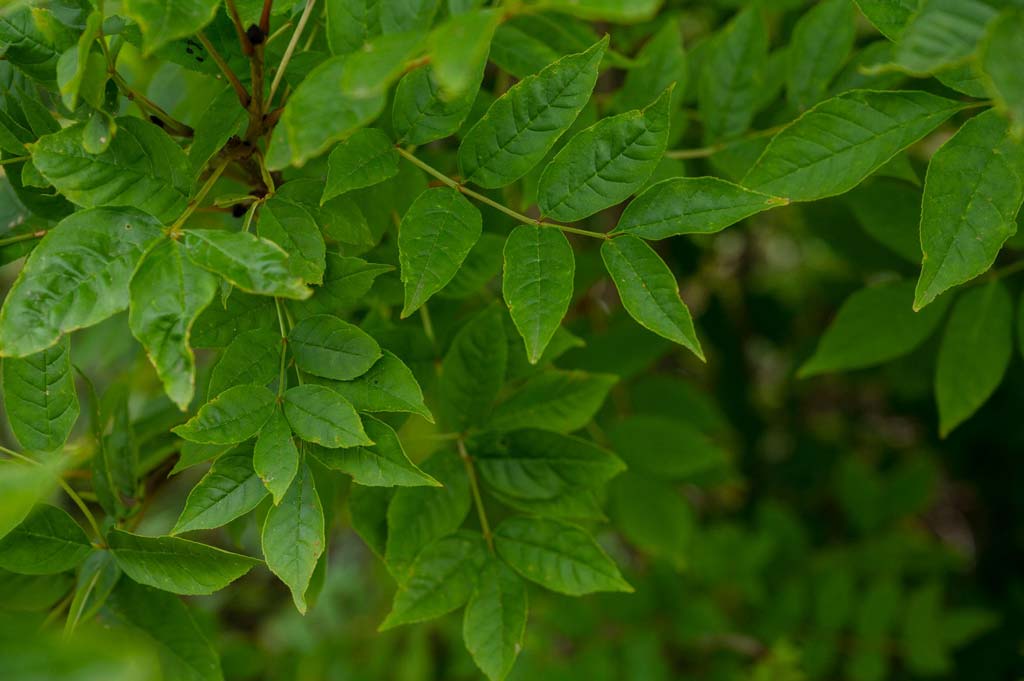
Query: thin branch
point(15, 159)
point(236, 19)
point(173, 125)
point(474, 487)
point(243, 94)
point(28, 236)
point(279, 74)
point(265, 16)
point(704, 152)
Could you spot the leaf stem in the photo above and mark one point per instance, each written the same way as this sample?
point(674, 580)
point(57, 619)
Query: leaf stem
point(243, 95)
point(459, 187)
point(236, 19)
point(282, 378)
point(28, 236)
point(265, 16)
point(474, 487)
point(173, 125)
point(705, 152)
point(279, 74)
point(198, 198)
point(15, 159)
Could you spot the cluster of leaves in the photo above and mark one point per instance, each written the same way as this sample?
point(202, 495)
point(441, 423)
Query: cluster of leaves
point(243, 179)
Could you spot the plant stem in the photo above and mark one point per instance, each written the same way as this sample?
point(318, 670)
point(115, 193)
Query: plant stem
point(428, 326)
point(243, 94)
point(38, 234)
point(236, 19)
point(173, 125)
point(704, 152)
point(474, 487)
point(279, 74)
point(15, 159)
point(200, 195)
point(265, 16)
point(459, 187)
point(282, 379)
point(1002, 272)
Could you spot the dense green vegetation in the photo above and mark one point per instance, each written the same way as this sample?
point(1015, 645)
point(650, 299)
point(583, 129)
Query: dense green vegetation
point(547, 339)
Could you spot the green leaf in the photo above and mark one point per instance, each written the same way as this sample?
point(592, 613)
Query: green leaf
point(942, 33)
point(662, 525)
point(473, 370)
point(324, 345)
point(389, 386)
point(40, 398)
point(291, 227)
point(47, 542)
point(834, 146)
point(382, 464)
point(624, 11)
point(340, 95)
point(76, 277)
point(974, 354)
point(252, 358)
point(458, 50)
point(177, 565)
point(1001, 50)
point(320, 415)
point(732, 76)
point(561, 401)
point(874, 325)
point(649, 291)
point(537, 284)
point(351, 23)
point(162, 21)
point(219, 325)
point(142, 168)
point(223, 118)
point(440, 580)
point(235, 415)
point(21, 486)
point(504, 145)
point(890, 211)
point(229, 490)
point(495, 620)
point(662, 64)
point(368, 510)
point(346, 282)
point(97, 578)
point(890, 17)
point(293, 536)
point(417, 516)
point(666, 448)
point(972, 193)
point(691, 205)
point(167, 294)
point(821, 42)
point(252, 264)
point(544, 473)
point(165, 621)
point(436, 234)
point(602, 165)
point(557, 555)
point(421, 114)
point(364, 159)
point(275, 457)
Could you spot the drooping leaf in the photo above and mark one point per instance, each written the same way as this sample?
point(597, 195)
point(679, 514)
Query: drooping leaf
point(382, 464)
point(421, 114)
point(731, 76)
point(142, 168)
point(691, 205)
point(557, 555)
point(417, 516)
point(324, 345)
point(76, 277)
point(649, 291)
point(168, 291)
point(855, 338)
point(504, 145)
point(942, 33)
point(293, 536)
point(602, 165)
point(473, 370)
point(346, 281)
point(48, 541)
point(176, 565)
point(234, 415)
point(495, 620)
point(229, 490)
point(441, 579)
point(40, 398)
point(252, 264)
point(364, 159)
point(821, 41)
point(320, 415)
point(537, 283)
point(661, 64)
point(975, 351)
point(458, 50)
point(219, 325)
point(293, 228)
point(972, 193)
point(562, 401)
point(21, 487)
point(162, 21)
point(436, 234)
point(275, 457)
point(834, 146)
point(388, 386)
